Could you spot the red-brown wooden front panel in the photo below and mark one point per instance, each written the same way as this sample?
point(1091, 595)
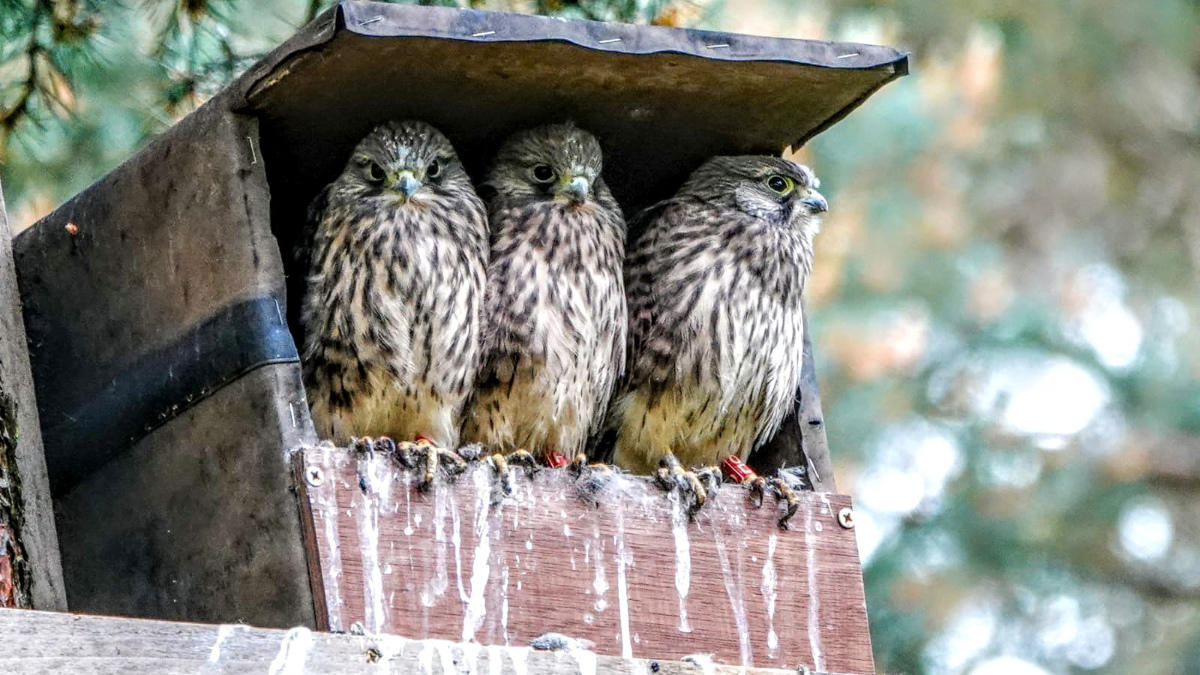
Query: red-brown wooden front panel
point(630, 575)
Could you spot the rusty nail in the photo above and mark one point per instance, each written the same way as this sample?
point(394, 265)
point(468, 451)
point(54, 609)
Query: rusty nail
point(846, 518)
point(72, 229)
point(314, 477)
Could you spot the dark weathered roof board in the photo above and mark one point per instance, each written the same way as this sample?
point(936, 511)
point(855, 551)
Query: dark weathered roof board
point(660, 99)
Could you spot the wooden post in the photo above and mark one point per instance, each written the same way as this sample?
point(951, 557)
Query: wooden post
point(30, 569)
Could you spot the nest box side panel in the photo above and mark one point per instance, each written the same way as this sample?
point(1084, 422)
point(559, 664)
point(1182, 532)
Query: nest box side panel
point(24, 471)
point(198, 520)
point(175, 236)
point(169, 389)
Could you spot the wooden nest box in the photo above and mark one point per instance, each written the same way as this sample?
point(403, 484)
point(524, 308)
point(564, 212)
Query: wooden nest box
point(158, 305)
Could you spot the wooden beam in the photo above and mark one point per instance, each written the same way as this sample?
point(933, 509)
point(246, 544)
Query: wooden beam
point(28, 540)
point(47, 642)
point(620, 566)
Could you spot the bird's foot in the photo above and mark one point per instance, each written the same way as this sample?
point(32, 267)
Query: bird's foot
point(425, 456)
point(781, 489)
point(710, 477)
point(365, 445)
point(501, 463)
point(671, 476)
point(590, 477)
point(525, 459)
point(734, 468)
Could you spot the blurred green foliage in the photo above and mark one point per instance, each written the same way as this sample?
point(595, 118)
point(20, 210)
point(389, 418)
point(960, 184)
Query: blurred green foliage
point(1004, 301)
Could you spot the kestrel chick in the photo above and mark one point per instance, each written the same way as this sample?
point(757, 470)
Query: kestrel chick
point(556, 317)
point(395, 288)
point(715, 329)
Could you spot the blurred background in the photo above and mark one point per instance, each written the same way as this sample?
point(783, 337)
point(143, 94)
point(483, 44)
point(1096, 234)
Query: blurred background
point(1002, 304)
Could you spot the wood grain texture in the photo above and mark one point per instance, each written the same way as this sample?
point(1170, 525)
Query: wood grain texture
point(46, 642)
point(467, 563)
point(30, 486)
point(197, 521)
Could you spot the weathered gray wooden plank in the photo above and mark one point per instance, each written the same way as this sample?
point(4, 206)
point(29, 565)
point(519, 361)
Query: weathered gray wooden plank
point(45, 642)
point(37, 534)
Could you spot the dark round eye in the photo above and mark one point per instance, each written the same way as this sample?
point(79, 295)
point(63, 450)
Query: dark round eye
point(434, 170)
point(376, 173)
point(543, 173)
point(780, 184)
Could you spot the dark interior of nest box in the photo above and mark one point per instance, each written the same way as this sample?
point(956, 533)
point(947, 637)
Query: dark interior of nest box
point(660, 100)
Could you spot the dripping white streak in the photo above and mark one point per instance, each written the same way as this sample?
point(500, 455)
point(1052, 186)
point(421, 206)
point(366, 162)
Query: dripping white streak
point(390, 646)
point(456, 537)
point(293, 652)
point(494, 658)
point(223, 633)
point(624, 557)
point(480, 565)
point(504, 603)
point(770, 594)
point(814, 603)
point(425, 658)
point(443, 648)
point(600, 582)
point(333, 572)
point(435, 587)
point(470, 656)
point(586, 660)
point(734, 590)
point(683, 560)
point(378, 491)
point(519, 657)
point(408, 510)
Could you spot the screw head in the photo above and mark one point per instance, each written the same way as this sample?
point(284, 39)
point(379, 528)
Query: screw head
point(846, 518)
point(314, 476)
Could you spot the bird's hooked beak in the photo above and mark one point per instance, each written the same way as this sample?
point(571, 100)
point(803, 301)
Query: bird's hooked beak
point(816, 202)
point(406, 184)
point(576, 188)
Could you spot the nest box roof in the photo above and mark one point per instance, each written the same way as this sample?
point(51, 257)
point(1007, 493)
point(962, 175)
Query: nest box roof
point(661, 100)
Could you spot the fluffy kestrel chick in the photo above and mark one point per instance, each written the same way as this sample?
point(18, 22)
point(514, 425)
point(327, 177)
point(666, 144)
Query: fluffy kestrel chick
point(556, 317)
point(715, 329)
point(392, 313)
